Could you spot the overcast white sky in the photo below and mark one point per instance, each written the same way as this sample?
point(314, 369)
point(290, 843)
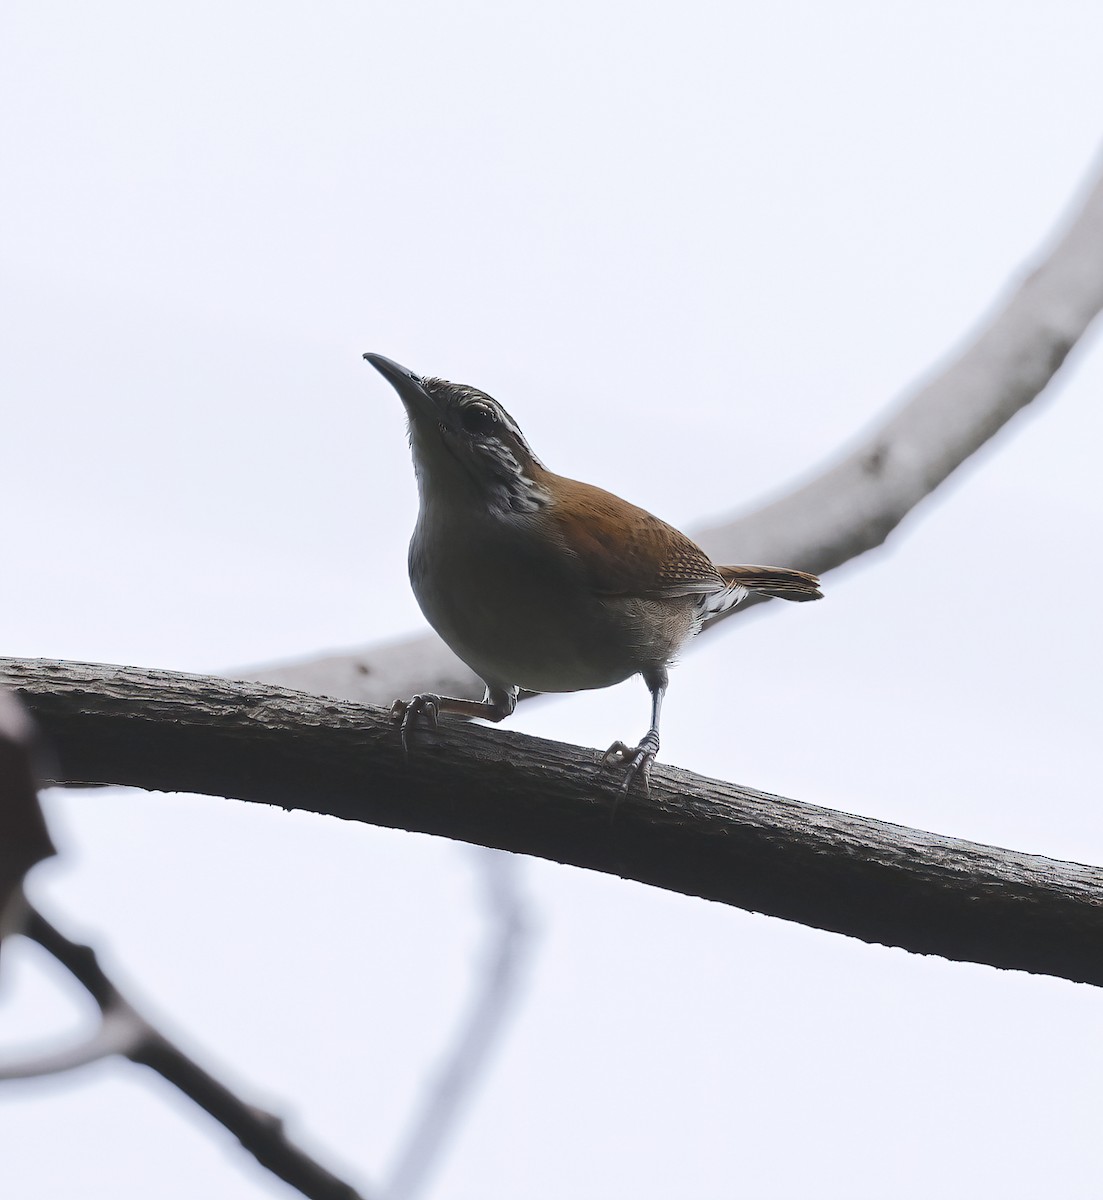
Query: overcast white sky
point(692, 249)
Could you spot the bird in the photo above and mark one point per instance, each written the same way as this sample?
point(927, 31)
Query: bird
point(542, 583)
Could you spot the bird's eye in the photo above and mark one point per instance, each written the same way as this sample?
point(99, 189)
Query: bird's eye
point(478, 418)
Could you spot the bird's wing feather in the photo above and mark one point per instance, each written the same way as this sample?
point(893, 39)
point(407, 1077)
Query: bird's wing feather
point(625, 551)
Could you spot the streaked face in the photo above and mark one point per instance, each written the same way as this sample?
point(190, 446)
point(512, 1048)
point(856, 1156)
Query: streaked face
point(462, 438)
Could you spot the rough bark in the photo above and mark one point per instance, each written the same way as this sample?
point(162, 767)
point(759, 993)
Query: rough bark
point(829, 870)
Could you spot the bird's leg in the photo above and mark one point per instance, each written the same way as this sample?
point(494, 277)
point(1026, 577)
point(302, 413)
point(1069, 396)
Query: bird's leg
point(639, 758)
point(495, 705)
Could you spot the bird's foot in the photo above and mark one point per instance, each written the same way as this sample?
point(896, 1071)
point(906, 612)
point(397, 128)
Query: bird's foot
point(638, 758)
point(406, 712)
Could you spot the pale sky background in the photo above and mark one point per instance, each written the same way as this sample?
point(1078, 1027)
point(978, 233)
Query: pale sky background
point(693, 249)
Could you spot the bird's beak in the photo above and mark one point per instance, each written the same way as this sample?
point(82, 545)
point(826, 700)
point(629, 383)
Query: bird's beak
point(409, 387)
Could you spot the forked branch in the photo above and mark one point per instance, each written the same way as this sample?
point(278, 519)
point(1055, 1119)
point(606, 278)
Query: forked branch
point(125, 1031)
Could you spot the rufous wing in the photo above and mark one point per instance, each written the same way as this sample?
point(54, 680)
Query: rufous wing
point(624, 550)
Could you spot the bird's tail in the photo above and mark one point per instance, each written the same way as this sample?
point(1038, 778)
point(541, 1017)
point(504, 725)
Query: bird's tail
point(782, 582)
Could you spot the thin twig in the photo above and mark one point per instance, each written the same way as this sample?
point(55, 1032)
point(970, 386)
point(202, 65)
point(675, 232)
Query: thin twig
point(261, 1133)
point(467, 1057)
point(118, 1033)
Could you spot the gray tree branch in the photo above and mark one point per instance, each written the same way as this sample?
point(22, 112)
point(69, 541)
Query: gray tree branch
point(855, 503)
point(119, 1032)
point(495, 993)
point(829, 870)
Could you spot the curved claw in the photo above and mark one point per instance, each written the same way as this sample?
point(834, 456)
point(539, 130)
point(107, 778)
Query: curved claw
point(618, 752)
point(639, 759)
point(425, 704)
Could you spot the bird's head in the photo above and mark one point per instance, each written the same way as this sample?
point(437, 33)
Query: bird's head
point(465, 445)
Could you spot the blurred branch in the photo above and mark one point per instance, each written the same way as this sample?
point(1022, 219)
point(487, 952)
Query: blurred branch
point(467, 1057)
point(853, 505)
point(829, 870)
point(120, 1032)
point(24, 839)
point(125, 1031)
point(864, 878)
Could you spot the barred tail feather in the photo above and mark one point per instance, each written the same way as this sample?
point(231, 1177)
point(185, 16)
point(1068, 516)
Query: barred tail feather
point(782, 582)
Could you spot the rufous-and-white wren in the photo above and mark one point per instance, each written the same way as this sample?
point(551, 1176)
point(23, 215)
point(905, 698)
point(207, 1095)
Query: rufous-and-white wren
point(544, 583)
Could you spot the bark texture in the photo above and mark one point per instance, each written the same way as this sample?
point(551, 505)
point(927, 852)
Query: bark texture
point(830, 870)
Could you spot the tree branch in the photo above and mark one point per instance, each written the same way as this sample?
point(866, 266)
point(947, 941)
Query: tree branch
point(829, 870)
point(127, 1032)
point(24, 839)
point(494, 996)
point(853, 505)
point(119, 1032)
